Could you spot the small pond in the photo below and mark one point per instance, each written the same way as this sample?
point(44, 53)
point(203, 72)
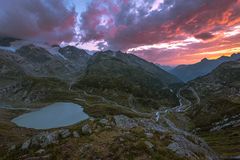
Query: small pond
point(53, 116)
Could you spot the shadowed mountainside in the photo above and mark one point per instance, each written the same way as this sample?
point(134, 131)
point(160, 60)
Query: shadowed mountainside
point(190, 72)
point(216, 114)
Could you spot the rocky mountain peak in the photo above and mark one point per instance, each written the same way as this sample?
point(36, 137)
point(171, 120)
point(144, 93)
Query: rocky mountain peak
point(34, 53)
point(72, 52)
point(204, 60)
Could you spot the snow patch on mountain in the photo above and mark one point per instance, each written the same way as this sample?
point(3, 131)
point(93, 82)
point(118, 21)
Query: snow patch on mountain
point(55, 52)
point(20, 43)
point(12, 49)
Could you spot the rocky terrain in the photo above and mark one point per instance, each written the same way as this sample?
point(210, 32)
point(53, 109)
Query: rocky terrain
point(215, 109)
point(114, 137)
point(136, 109)
point(38, 60)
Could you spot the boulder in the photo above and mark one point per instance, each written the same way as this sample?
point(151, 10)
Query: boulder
point(108, 127)
point(104, 121)
point(64, 133)
point(26, 144)
point(76, 134)
point(86, 129)
point(149, 135)
point(46, 157)
point(149, 144)
point(121, 139)
point(13, 147)
point(151, 125)
point(44, 139)
point(41, 151)
point(124, 122)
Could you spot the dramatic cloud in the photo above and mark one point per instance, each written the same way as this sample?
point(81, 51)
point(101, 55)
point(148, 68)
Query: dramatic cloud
point(204, 36)
point(42, 20)
point(143, 26)
point(190, 51)
point(161, 31)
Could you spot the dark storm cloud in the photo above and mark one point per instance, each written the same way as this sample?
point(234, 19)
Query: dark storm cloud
point(125, 24)
point(204, 36)
point(42, 20)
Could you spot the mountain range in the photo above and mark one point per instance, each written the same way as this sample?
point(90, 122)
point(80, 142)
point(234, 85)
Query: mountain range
point(205, 66)
point(135, 107)
point(102, 71)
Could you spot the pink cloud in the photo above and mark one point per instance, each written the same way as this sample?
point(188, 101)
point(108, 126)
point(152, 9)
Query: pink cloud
point(48, 21)
point(136, 25)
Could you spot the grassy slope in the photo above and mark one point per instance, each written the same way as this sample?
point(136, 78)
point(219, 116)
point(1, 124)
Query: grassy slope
point(117, 76)
point(219, 100)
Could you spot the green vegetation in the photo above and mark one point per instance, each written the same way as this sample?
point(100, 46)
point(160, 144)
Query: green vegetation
point(101, 110)
point(181, 121)
point(122, 74)
point(220, 102)
point(214, 111)
point(189, 95)
point(226, 142)
point(105, 144)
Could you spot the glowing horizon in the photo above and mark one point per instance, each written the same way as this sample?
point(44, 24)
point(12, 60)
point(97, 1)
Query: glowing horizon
point(166, 32)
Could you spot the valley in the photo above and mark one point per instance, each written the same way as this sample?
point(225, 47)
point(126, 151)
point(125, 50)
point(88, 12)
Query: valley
point(140, 123)
point(135, 110)
point(119, 79)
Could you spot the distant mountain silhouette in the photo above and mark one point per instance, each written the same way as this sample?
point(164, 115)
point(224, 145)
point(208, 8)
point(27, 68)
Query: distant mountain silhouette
point(190, 72)
point(165, 67)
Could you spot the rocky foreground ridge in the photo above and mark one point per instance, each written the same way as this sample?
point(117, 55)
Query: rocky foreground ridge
point(141, 138)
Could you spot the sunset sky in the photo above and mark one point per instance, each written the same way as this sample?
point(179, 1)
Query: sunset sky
point(168, 32)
